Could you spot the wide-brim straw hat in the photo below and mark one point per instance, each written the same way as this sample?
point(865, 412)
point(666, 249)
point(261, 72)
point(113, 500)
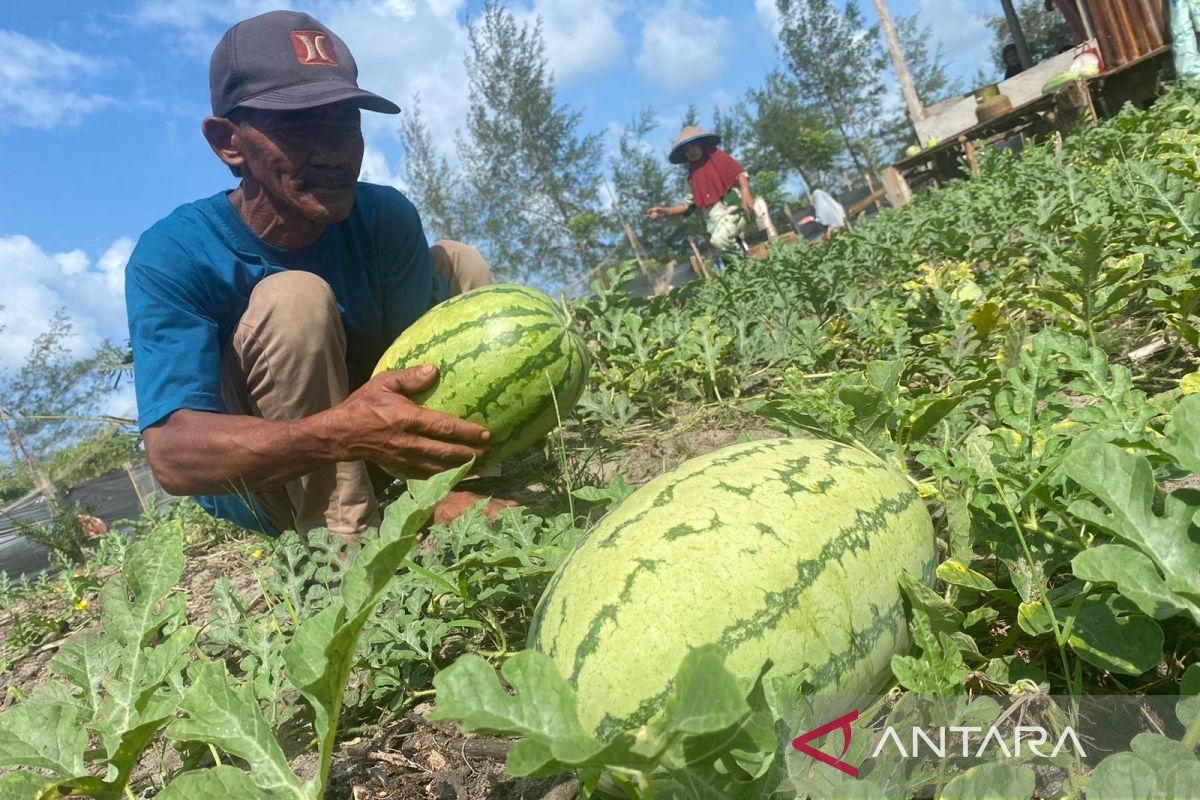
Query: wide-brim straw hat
point(689, 135)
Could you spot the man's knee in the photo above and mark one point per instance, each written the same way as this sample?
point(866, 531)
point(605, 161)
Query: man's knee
point(462, 266)
point(294, 294)
point(292, 309)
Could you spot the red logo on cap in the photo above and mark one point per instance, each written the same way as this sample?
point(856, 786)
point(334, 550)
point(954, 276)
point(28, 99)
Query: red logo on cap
point(313, 49)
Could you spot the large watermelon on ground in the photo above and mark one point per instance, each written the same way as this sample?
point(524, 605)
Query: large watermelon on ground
point(787, 549)
point(506, 355)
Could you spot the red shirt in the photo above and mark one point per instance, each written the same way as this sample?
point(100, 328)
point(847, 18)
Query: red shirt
point(712, 176)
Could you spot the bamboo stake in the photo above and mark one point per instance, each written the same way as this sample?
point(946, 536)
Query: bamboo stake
point(791, 220)
point(633, 242)
point(703, 268)
point(907, 88)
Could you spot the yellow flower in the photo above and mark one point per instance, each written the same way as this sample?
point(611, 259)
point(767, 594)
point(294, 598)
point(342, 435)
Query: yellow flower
point(257, 554)
point(82, 604)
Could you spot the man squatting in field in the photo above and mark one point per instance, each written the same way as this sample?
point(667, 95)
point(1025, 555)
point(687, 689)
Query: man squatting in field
point(713, 175)
point(257, 315)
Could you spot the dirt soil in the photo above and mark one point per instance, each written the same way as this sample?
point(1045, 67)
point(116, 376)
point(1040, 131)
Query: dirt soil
point(415, 759)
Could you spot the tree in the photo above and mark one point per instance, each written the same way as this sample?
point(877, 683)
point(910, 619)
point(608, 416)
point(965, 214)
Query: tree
point(46, 404)
point(1046, 32)
point(838, 65)
point(790, 135)
point(534, 176)
point(928, 69)
point(642, 178)
point(927, 66)
point(691, 116)
point(733, 126)
point(436, 188)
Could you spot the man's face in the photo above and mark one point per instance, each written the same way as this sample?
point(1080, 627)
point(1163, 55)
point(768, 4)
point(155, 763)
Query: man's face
point(306, 161)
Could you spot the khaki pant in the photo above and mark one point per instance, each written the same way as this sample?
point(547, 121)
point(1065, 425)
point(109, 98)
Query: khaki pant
point(277, 369)
point(462, 266)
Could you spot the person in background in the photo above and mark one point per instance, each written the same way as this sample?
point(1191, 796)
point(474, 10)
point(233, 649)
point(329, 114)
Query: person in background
point(720, 189)
point(1012, 61)
point(829, 212)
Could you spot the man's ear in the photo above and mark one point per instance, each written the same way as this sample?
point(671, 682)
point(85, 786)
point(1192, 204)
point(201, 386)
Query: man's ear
point(220, 133)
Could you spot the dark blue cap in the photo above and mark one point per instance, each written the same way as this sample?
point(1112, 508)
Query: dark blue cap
point(282, 61)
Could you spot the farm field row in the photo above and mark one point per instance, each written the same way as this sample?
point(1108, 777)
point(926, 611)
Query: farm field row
point(1023, 346)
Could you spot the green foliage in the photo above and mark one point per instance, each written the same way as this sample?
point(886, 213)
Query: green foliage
point(132, 679)
point(49, 400)
point(436, 187)
point(713, 739)
point(978, 337)
point(838, 68)
point(790, 134)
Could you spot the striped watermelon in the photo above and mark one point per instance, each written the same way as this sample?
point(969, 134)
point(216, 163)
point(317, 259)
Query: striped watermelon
point(505, 355)
point(785, 549)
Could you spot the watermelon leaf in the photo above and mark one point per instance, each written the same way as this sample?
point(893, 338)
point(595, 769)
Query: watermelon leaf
point(706, 698)
point(708, 714)
point(1135, 577)
point(224, 714)
point(988, 781)
point(1111, 635)
point(1124, 483)
point(224, 781)
point(22, 785)
point(45, 733)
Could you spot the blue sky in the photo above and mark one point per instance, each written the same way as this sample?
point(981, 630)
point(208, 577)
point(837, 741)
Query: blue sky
point(100, 107)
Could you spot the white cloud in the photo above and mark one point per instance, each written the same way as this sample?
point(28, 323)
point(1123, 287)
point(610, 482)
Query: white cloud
point(198, 26)
point(963, 32)
point(375, 169)
point(581, 36)
point(682, 46)
point(768, 15)
point(400, 55)
point(38, 283)
point(39, 83)
point(402, 47)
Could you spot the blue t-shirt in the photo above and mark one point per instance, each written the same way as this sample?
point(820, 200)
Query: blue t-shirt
point(189, 279)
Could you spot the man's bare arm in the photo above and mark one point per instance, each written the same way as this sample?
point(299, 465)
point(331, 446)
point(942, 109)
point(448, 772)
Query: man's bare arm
point(197, 452)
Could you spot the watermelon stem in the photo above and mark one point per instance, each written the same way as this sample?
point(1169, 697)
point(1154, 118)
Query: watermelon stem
point(1043, 594)
point(562, 447)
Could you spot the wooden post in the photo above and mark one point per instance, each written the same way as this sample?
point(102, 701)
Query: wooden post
point(633, 242)
point(41, 481)
point(698, 262)
point(762, 217)
point(915, 112)
point(637, 251)
point(898, 193)
point(969, 151)
point(1018, 35)
point(137, 490)
point(1074, 109)
point(791, 220)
